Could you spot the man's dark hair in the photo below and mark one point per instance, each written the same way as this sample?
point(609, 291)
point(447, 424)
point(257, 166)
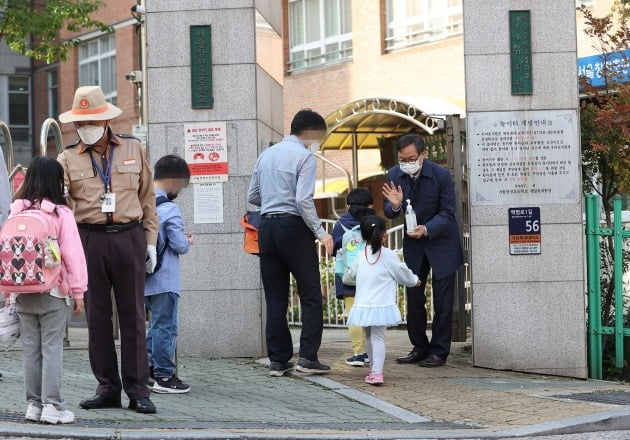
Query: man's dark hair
point(359, 197)
point(307, 119)
point(171, 166)
point(414, 139)
point(43, 180)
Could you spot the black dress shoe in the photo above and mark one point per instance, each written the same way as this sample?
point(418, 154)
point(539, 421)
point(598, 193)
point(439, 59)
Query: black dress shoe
point(412, 358)
point(432, 361)
point(142, 405)
point(100, 402)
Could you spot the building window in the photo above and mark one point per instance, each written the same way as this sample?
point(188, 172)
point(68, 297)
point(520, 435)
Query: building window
point(20, 108)
point(411, 22)
point(320, 31)
point(53, 100)
point(97, 65)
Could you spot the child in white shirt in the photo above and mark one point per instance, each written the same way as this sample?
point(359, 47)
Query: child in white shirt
point(378, 270)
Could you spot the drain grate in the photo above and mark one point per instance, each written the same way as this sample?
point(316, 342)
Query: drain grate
point(610, 397)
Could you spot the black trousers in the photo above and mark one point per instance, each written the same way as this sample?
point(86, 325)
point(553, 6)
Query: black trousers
point(117, 260)
point(443, 293)
point(287, 246)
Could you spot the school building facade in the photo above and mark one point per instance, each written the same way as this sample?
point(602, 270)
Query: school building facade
point(342, 51)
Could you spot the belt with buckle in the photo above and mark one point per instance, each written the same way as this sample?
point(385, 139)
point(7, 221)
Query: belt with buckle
point(110, 229)
point(278, 215)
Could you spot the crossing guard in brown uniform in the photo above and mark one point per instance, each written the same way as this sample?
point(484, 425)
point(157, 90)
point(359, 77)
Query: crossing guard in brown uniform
point(110, 185)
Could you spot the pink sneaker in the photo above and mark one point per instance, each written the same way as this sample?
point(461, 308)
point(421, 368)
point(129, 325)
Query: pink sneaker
point(374, 379)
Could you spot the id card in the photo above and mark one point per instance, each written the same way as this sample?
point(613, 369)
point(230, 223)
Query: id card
point(109, 203)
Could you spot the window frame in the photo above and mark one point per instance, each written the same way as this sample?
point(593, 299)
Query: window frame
point(343, 41)
point(29, 125)
point(52, 89)
point(98, 58)
point(446, 13)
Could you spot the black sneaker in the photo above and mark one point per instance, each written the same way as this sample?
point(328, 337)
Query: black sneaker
point(278, 369)
point(312, 367)
point(170, 385)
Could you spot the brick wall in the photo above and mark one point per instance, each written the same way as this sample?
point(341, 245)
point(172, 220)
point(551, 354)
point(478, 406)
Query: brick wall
point(432, 69)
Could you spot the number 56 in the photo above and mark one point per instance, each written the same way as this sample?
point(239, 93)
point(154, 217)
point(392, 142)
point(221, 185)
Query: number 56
point(532, 225)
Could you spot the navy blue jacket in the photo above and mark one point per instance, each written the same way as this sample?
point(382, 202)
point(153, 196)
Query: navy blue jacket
point(349, 222)
point(433, 199)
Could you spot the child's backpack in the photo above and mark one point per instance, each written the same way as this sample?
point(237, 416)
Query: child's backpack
point(160, 253)
point(351, 244)
point(30, 261)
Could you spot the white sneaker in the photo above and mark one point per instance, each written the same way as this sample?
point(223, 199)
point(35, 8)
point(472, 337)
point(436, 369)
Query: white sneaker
point(33, 412)
point(52, 415)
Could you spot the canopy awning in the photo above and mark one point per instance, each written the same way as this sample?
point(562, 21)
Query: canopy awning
point(335, 186)
point(364, 121)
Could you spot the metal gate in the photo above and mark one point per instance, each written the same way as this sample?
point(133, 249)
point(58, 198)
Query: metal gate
point(457, 164)
point(7, 146)
point(594, 235)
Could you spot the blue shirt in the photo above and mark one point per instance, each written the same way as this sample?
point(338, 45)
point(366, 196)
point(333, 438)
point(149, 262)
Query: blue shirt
point(283, 181)
point(166, 279)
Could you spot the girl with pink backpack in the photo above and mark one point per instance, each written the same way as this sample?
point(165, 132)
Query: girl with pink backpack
point(42, 271)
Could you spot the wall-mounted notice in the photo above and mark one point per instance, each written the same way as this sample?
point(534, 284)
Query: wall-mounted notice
point(524, 157)
point(208, 207)
point(206, 151)
point(525, 231)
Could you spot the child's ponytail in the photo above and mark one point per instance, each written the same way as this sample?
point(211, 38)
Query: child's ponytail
point(372, 229)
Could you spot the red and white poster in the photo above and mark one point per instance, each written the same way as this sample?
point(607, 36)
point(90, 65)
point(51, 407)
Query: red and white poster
point(206, 152)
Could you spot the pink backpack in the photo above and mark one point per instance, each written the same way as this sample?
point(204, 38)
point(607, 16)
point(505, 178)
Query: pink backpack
point(30, 261)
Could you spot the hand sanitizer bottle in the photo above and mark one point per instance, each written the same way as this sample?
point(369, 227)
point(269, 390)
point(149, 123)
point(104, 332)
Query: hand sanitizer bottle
point(410, 217)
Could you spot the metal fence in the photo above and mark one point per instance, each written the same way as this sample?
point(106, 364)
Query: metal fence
point(334, 309)
point(594, 235)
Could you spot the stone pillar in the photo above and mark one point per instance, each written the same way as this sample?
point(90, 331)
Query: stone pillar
point(528, 310)
point(221, 306)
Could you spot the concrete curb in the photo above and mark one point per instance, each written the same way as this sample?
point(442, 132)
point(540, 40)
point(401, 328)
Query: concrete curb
point(613, 420)
point(359, 396)
point(618, 419)
point(366, 399)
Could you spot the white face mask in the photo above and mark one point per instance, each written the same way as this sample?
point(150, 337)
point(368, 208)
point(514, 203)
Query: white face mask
point(410, 168)
point(90, 134)
point(314, 148)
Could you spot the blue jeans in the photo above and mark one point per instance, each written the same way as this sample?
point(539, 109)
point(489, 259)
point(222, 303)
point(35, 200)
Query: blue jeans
point(162, 332)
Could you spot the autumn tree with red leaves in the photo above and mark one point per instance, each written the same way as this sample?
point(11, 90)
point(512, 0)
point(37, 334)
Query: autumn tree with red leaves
point(605, 127)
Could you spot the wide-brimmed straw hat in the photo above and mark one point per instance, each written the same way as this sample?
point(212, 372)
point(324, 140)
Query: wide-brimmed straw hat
point(90, 105)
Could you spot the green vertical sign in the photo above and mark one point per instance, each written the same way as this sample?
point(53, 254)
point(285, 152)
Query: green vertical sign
point(200, 67)
point(521, 52)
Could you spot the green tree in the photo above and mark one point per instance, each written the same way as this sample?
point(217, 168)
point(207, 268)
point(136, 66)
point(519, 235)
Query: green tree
point(32, 27)
point(605, 128)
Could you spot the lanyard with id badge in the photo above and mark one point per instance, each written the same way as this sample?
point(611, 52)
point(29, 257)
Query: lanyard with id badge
point(108, 198)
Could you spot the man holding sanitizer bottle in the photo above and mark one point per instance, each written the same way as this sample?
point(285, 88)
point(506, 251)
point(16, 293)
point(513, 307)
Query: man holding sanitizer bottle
point(431, 243)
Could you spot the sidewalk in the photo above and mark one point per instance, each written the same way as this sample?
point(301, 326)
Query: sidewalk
point(236, 399)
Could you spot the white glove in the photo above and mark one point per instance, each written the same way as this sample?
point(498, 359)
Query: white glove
point(151, 258)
